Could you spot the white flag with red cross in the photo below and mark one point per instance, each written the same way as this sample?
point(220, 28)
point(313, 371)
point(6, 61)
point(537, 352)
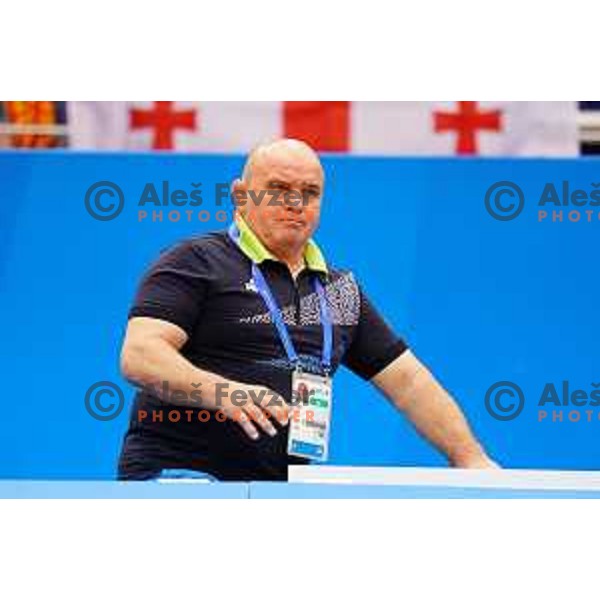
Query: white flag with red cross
point(463, 128)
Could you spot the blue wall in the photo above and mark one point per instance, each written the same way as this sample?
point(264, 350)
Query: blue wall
point(478, 299)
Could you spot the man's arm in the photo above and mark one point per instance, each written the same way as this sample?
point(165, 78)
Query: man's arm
point(150, 356)
point(435, 415)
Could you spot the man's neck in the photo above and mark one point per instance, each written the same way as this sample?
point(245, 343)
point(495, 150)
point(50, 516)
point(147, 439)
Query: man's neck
point(295, 271)
point(292, 257)
point(294, 260)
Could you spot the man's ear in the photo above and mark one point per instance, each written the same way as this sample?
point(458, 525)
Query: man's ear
point(239, 194)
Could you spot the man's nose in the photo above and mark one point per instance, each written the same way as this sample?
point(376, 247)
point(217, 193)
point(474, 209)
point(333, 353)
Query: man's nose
point(293, 202)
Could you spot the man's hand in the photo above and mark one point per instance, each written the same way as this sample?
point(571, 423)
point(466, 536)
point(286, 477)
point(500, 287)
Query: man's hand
point(249, 410)
point(480, 461)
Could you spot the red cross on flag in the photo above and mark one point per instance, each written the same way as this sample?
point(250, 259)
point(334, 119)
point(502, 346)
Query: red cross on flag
point(164, 120)
point(465, 128)
point(467, 122)
point(462, 128)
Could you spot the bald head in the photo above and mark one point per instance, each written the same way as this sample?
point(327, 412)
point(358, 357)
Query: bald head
point(281, 151)
point(280, 195)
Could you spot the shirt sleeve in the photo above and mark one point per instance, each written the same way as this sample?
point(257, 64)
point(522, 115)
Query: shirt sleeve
point(174, 288)
point(374, 344)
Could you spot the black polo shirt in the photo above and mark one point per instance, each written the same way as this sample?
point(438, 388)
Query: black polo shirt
point(204, 285)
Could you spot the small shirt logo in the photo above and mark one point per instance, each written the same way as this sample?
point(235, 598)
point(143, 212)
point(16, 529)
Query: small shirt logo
point(250, 286)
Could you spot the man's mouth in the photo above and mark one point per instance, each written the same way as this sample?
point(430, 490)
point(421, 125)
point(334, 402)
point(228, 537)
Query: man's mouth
point(293, 223)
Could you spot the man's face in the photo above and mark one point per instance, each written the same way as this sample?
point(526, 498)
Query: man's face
point(283, 198)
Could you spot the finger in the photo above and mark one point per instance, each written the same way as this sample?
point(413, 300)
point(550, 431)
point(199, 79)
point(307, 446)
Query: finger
point(243, 420)
point(277, 407)
point(258, 416)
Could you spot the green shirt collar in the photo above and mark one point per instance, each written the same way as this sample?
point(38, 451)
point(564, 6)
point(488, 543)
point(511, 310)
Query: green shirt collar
point(254, 249)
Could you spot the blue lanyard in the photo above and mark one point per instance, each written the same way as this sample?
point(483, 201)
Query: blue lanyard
point(265, 291)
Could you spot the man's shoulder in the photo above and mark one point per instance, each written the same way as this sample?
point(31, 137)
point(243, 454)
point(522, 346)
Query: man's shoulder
point(198, 252)
point(342, 281)
point(205, 244)
point(336, 272)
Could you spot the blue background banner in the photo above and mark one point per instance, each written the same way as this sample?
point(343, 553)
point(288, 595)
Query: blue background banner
point(478, 299)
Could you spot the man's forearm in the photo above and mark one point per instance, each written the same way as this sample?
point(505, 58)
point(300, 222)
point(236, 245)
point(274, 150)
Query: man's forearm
point(435, 415)
point(159, 367)
point(151, 359)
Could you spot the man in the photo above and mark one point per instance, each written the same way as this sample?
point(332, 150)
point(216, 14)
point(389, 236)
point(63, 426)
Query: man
point(249, 315)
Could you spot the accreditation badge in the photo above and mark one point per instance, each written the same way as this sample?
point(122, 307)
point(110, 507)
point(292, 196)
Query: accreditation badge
point(310, 417)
